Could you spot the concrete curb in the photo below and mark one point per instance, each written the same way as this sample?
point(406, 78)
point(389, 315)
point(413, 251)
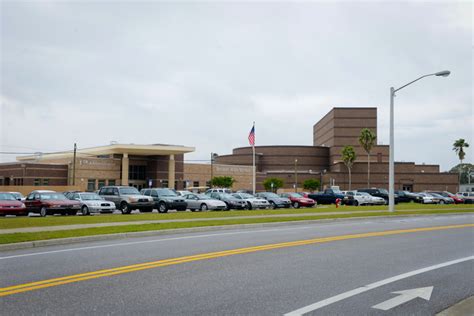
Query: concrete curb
point(72, 240)
point(462, 308)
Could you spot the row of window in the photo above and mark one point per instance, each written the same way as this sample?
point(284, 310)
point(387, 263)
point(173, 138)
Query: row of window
point(91, 184)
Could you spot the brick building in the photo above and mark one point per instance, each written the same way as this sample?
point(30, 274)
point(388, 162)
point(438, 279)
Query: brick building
point(338, 128)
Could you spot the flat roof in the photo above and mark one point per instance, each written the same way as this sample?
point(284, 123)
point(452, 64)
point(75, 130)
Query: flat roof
point(130, 149)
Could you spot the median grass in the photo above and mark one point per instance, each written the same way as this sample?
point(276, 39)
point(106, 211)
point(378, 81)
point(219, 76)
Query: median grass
point(23, 237)
point(20, 222)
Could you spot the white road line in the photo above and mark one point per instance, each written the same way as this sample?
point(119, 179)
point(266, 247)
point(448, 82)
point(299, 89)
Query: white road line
point(372, 286)
point(151, 241)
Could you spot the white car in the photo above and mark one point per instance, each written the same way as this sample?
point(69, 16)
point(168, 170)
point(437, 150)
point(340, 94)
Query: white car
point(252, 201)
point(183, 192)
point(373, 200)
point(428, 199)
point(203, 202)
point(92, 203)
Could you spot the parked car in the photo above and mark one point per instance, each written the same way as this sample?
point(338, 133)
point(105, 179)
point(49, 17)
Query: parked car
point(165, 199)
point(361, 198)
point(127, 198)
point(219, 190)
point(297, 200)
point(442, 199)
point(380, 193)
point(231, 201)
point(428, 199)
point(252, 201)
point(9, 205)
point(92, 203)
point(18, 196)
point(275, 200)
point(203, 202)
point(328, 196)
point(407, 197)
point(467, 196)
point(456, 199)
point(183, 192)
point(46, 202)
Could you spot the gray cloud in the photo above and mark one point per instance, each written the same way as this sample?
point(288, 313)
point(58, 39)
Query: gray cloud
point(199, 74)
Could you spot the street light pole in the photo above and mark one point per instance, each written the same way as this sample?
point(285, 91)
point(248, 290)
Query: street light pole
point(391, 165)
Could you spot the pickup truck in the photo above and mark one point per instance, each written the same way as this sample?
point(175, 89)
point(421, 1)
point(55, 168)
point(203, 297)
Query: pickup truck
point(328, 196)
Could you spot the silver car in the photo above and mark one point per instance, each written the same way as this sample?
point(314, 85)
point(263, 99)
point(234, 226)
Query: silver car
point(93, 203)
point(252, 201)
point(203, 202)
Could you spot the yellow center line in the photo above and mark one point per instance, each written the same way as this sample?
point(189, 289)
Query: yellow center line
point(212, 255)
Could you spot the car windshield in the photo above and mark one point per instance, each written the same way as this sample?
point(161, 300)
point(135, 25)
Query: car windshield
point(7, 196)
point(90, 196)
point(271, 195)
point(166, 192)
point(53, 196)
point(16, 195)
point(383, 191)
point(246, 196)
point(363, 193)
point(296, 195)
point(227, 196)
point(129, 191)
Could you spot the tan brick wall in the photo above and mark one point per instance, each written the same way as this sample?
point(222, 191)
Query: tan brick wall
point(202, 173)
point(26, 189)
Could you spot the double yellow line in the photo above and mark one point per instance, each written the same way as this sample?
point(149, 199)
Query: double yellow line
point(10, 290)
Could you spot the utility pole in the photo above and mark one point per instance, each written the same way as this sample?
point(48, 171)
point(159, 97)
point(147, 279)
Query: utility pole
point(296, 176)
point(74, 166)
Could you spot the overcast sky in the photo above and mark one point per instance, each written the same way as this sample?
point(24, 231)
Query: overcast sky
point(198, 74)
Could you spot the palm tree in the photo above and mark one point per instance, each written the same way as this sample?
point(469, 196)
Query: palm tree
point(348, 157)
point(458, 147)
point(367, 141)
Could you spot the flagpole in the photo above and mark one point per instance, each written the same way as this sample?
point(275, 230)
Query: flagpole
point(253, 169)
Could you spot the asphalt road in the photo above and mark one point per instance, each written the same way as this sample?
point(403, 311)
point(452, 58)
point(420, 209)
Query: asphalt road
point(347, 275)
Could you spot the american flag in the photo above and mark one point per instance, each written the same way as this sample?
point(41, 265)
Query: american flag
point(252, 136)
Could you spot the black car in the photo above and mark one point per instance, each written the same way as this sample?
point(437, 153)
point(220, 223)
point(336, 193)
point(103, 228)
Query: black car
point(166, 199)
point(405, 196)
point(380, 193)
point(275, 200)
point(230, 201)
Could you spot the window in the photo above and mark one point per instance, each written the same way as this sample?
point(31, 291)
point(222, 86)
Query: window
point(17, 181)
point(45, 181)
point(1, 181)
point(176, 185)
point(164, 183)
point(185, 184)
point(208, 184)
point(137, 172)
point(37, 182)
point(91, 185)
point(101, 184)
point(154, 193)
point(195, 183)
point(112, 182)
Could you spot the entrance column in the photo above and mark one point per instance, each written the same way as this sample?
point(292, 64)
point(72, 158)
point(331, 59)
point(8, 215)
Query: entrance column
point(125, 169)
point(171, 171)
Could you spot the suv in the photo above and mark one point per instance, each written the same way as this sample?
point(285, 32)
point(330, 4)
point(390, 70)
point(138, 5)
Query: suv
point(165, 199)
point(127, 199)
point(380, 193)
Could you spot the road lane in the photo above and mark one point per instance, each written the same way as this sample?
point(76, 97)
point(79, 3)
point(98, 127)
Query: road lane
point(269, 282)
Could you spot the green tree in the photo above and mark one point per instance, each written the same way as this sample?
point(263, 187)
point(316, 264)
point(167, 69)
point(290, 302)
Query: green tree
point(464, 170)
point(367, 141)
point(458, 147)
point(272, 184)
point(348, 157)
point(311, 184)
point(223, 182)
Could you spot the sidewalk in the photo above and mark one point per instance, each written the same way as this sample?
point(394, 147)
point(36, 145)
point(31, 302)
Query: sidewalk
point(83, 226)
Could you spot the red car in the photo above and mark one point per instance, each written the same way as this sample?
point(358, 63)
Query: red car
point(11, 206)
point(49, 202)
point(297, 200)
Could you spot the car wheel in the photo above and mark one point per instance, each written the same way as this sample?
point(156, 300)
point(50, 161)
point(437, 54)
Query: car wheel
point(162, 208)
point(85, 210)
point(249, 206)
point(227, 206)
point(296, 205)
point(204, 207)
point(125, 208)
point(273, 206)
point(43, 212)
point(356, 203)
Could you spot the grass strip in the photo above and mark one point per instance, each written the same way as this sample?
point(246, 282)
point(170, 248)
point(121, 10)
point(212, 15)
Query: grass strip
point(20, 222)
point(22, 237)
